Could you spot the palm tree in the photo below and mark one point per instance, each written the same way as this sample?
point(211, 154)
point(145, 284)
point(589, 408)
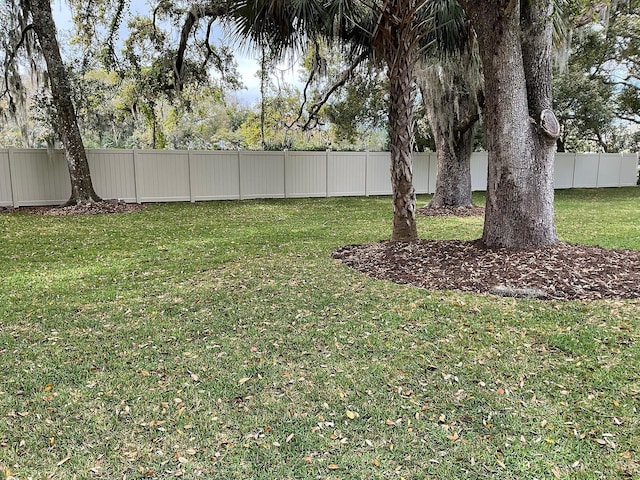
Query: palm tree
point(391, 30)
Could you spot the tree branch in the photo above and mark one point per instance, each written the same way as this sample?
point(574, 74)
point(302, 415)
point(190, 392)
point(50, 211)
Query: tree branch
point(11, 57)
point(630, 119)
point(195, 13)
point(467, 123)
point(344, 77)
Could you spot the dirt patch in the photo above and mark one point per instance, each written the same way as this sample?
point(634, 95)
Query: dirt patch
point(106, 206)
point(560, 272)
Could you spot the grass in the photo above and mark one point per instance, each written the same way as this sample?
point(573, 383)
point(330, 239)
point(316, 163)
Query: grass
point(220, 340)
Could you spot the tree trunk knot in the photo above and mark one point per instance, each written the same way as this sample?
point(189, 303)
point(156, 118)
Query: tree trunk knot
point(548, 124)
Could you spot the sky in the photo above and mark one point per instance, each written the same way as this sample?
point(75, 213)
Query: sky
point(248, 65)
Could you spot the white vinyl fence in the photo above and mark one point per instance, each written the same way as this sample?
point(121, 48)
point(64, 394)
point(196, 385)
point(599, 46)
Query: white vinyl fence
point(35, 177)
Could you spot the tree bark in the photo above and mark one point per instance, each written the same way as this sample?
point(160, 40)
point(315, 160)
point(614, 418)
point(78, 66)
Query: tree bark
point(81, 186)
point(396, 41)
point(452, 111)
point(453, 180)
point(519, 211)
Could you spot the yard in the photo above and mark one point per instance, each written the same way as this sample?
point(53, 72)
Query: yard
point(221, 340)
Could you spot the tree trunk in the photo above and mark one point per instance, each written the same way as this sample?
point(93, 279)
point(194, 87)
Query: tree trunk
point(519, 211)
point(452, 111)
point(81, 186)
point(398, 38)
point(453, 181)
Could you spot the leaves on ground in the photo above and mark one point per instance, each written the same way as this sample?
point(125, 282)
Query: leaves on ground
point(561, 272)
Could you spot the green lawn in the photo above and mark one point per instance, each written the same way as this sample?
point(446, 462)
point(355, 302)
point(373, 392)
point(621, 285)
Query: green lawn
point(220, 340)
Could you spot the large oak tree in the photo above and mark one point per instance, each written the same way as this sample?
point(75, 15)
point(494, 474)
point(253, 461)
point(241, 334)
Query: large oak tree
point(515, 39)
point(38, 35)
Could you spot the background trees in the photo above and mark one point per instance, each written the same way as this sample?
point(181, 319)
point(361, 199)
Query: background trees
point(597, 83)
point(118, 88)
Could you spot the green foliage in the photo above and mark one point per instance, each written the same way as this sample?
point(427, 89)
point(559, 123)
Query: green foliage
point(597, 95)
point(221, 340)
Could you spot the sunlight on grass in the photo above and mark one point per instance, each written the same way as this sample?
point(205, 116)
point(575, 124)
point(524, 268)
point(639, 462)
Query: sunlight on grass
point(220, 340)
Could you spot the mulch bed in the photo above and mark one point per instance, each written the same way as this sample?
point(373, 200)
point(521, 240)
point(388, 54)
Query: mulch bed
point(560, 272)
point(106, 206)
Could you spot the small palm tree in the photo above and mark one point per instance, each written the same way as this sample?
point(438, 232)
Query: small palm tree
point(390, 30)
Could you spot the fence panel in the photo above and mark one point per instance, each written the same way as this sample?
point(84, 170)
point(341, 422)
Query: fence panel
point(609, 170)
point(629, 170)
point(113, 174)
point(214, 175)
point(262, 175)
point(345, 174)
point(421, 170)
point(565, 165)
point(433, 172)
point(6, 197)
point(306, 174)
point(378, 176)
point(479, 172)
point(586, 170)
point(162, 175)
point(40, 177)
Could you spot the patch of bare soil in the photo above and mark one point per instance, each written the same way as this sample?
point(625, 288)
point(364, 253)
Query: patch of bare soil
point(560, 272)
point(106, 206)
point(471, 211)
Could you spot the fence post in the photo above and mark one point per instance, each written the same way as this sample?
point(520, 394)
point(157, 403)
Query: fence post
point(136, 175)
point(366, 172)
point(239, 175)
point(284, 172)
point(326, 173)
point(12, 179)
point(621, 169)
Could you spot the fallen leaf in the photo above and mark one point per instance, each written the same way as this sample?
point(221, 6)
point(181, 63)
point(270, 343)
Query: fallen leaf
point(48, 387)
point(351, 415)
point(556, 472)
point(376, 462)
point(333, 466)
point(243, 380)
point(63, 461)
